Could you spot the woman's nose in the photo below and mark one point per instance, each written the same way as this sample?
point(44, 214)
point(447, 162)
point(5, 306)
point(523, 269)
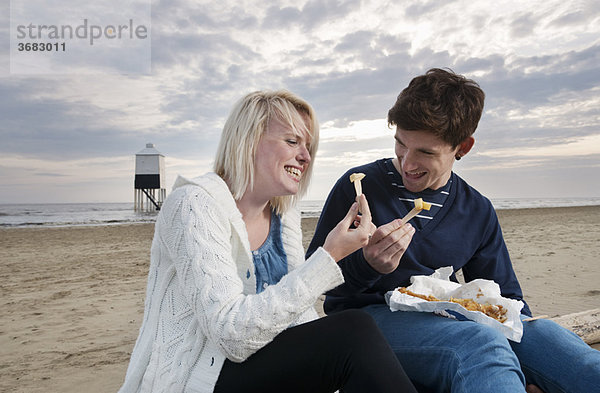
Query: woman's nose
point(303, 155)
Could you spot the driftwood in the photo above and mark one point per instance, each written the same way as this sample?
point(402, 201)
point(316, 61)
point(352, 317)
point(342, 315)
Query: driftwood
point(585, 324)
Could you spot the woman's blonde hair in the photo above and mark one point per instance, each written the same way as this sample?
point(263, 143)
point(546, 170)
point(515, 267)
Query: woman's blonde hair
point(245, 126)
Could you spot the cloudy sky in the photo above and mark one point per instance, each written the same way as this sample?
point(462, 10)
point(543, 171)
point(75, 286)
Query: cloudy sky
point(71, 136)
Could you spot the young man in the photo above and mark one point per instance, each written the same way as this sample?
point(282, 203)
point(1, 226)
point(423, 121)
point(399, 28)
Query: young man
point(435, 118)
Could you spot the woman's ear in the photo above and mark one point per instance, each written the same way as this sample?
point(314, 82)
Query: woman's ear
point(464, 147)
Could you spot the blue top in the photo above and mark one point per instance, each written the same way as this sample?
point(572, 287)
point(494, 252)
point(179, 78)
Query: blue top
point(463, 232)
point(270, 259)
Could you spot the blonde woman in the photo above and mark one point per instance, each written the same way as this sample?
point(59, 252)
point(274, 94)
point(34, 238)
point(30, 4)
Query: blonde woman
point(229, 304)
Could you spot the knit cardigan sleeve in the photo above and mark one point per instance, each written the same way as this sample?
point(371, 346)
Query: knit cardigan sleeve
point(211, 257)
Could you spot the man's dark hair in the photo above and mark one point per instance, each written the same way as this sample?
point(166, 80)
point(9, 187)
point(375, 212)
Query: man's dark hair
point(441, 102)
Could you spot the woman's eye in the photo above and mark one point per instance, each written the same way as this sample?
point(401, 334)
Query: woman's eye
point(292, 141)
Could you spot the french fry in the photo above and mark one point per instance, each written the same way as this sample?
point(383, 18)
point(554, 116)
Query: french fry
point(356, 178)
point(420, 204)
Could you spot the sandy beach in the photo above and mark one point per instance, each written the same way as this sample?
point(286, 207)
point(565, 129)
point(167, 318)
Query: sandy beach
point(73, 297)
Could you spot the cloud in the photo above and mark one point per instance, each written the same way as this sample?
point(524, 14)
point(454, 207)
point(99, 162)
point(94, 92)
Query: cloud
point(555, 95)
point(584, 13)
point(572, 18)
point(419, 9)
point(310, 16)
point(43, 174)
point(574, 146)
point(522, 26)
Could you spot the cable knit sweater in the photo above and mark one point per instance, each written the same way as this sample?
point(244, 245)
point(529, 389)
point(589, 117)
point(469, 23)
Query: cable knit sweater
point(201, 301)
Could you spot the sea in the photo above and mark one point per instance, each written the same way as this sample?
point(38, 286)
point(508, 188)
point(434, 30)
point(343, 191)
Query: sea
point(93, 214)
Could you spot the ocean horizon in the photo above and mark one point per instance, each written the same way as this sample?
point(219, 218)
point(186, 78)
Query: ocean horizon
point(94, 214)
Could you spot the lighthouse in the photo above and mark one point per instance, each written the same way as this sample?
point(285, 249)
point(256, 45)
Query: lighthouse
point(149, 184)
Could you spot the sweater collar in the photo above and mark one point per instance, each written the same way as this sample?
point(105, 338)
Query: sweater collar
point(216, 187)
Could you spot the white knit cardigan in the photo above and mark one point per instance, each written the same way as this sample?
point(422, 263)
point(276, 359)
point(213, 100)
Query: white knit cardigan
point(201, 302)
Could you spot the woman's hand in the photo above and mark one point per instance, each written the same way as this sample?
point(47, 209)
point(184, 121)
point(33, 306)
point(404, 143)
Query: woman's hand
point(343, 240)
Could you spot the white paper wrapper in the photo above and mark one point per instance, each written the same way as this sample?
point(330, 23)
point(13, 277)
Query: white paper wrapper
point(482, 291)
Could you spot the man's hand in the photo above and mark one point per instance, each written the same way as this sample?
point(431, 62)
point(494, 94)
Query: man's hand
point(387, 245)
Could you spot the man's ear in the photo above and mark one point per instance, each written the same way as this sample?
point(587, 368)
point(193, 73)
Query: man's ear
point(464, 147)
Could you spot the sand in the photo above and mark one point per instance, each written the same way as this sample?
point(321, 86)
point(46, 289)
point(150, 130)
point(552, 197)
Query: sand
point(72, 298)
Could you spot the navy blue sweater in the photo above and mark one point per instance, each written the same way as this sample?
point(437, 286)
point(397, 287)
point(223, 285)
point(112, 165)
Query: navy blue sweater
point(463, 233)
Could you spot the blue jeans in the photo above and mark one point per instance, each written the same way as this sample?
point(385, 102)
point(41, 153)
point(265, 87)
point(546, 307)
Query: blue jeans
point(444, 355)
